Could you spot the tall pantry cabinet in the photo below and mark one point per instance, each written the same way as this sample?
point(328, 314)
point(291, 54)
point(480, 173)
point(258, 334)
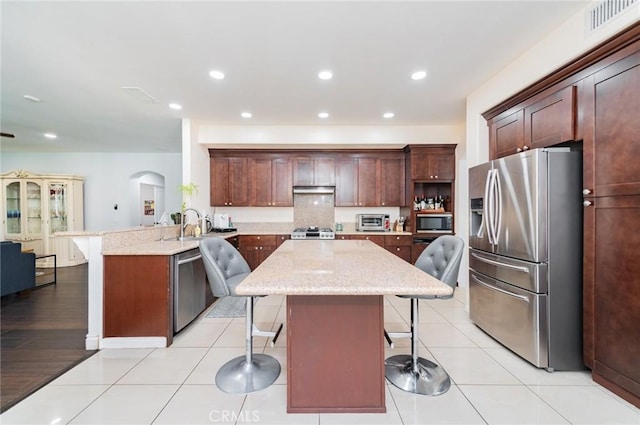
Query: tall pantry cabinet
point(611, 223)
point(36, 206)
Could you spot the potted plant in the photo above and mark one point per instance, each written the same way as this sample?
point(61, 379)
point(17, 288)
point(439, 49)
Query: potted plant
point(188, 190)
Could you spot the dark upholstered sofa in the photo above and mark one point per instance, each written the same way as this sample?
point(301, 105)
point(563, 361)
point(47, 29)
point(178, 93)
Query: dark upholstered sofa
point(17, 268)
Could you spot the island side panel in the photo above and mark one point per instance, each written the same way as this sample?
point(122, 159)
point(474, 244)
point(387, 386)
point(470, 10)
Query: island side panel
point(335, 354)
point(137, 296)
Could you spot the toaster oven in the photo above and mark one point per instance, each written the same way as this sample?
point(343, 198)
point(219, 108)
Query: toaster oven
point(372, 223)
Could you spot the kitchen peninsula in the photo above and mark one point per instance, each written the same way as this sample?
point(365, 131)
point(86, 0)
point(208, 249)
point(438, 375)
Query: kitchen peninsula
point(147, 251)
point(335, 323)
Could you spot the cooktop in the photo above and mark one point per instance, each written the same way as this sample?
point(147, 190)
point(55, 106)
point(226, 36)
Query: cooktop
point(313, 232)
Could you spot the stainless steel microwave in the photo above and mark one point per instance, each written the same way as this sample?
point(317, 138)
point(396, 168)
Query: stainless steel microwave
point(434, 223)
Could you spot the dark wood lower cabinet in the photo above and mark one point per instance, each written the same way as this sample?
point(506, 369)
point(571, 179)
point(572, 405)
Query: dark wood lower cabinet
point(335, 354)
point(256, 248)
point(137, 296)
point(612, 293)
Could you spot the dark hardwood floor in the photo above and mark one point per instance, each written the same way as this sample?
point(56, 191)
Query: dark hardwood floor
point(42, 334)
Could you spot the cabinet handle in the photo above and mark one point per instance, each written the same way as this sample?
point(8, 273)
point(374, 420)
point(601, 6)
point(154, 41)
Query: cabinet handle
point(518, 150)
point(260, 247)
point(230, 203)
point(436, 176)
point(587, 203)
point(524, 148)
point(586, 191)
point(397, 249)
point(397, 238)
point(430, 177)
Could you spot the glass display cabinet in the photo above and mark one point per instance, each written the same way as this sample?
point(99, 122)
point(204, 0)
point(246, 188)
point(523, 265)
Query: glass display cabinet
point(35, 207)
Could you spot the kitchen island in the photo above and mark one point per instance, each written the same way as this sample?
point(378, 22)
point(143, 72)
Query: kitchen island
point(335, 321)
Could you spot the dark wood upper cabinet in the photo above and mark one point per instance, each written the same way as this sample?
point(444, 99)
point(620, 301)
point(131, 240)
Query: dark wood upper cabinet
point(506, 135)
point(392, 182)
point(347, 182)
point(552, 120)
point(314, 172)
point(612, 115)
point(368, 182)
point(229, 183)
point(433, 163)
point(271, 182)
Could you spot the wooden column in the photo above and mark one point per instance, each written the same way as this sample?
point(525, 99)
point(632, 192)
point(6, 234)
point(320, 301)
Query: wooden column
point(335, 354)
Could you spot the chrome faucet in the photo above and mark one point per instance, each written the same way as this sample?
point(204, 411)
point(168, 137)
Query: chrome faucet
point(184, 220)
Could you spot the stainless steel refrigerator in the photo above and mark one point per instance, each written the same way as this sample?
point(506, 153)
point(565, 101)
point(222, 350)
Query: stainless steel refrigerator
point(525, 255)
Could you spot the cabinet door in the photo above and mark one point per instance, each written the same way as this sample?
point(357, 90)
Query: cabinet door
point(552, 120)
point(261, 178)
point(612, 129)
point(324, 170)
point(442, 166)
point(427, 165)
point(616, 291)
point(303, 171)
point(219, 181)
point(368, 182)
point(346, 183)
point(506, 136)
point(13, 200)
point(251, 255)
point(392, 182)
point(281, 185)
point(238, 182)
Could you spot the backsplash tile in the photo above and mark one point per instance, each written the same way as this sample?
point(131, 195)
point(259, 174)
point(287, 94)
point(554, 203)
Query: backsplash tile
point(313, 210)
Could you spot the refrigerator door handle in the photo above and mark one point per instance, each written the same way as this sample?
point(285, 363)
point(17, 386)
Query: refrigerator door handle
point(499, 264)
point(502, 291)
point(498, 188)
point(491, 228)
point(485, 215)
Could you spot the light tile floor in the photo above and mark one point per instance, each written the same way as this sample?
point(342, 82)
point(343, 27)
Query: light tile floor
point(175, 385)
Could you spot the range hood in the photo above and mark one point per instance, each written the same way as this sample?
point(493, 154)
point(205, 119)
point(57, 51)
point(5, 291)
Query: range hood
point(314, 190)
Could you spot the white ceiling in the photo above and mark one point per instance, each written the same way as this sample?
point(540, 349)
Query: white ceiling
point(76, 56)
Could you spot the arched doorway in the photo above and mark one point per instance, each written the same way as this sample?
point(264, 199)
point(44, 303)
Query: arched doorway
point(147, 196)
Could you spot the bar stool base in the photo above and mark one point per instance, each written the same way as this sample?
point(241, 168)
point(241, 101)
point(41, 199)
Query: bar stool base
point(430, 380)
point(238, 376)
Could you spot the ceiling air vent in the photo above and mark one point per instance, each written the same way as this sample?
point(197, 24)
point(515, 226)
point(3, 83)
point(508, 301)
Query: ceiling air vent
point(605, 11)
point(139, 94)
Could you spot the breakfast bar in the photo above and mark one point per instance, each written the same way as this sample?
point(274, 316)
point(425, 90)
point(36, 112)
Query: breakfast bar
point(335, 323)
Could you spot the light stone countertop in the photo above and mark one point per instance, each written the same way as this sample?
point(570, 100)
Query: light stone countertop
point(338, 267)
point(171, 246)
point(165, 247)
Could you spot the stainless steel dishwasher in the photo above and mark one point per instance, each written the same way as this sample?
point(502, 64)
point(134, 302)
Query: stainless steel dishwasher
point(189, 288)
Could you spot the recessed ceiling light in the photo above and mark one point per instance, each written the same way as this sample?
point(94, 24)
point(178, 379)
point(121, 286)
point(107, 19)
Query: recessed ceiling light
point(246, 115)
point(50, 136)
point(175, 106)
point(418, 75)
point(388, 115)
point(323, 115)
point(325, 75)
point(217, 75)
point(31, 98)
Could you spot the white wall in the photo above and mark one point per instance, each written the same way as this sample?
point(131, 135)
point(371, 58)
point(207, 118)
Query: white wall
point(106, 180)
